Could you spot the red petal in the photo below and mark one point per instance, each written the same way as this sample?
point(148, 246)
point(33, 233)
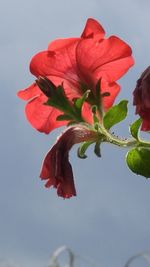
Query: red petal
point(113, 89)
point(114, 70)
point(110, 58)
point(71, 89)
point(61, 43)
point(29, 92)
point(61, 63)
point(93, 29)
point(42, 117)
point(41, 63)
point(87, 113)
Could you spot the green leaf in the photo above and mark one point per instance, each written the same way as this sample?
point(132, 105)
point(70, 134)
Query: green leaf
point(134, 128)
point(138, 160)
point(82, 149)
point(115, 114)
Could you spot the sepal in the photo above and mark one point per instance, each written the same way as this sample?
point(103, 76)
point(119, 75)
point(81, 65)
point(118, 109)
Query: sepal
point(78, 103)
point(97, 149)
point(94, 112)
point(60, 101)
point(82, 149)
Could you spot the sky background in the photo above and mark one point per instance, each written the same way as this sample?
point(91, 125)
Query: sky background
point(109, 219)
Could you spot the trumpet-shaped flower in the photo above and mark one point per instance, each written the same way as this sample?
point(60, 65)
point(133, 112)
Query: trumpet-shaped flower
point(77, 63)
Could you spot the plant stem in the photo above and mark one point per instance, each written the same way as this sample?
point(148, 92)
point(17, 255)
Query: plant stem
point(110, 138)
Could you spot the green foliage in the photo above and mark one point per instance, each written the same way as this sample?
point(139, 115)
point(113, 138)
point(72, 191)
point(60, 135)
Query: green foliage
point(72, 111)
point(138, 160)
point(135, 127)
point(58, 100)
point(115, 114)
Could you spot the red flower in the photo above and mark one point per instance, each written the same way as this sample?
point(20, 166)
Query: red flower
point(77, 61)
point(56, 167)
point(142, 99)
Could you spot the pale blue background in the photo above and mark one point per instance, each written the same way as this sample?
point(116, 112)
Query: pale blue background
point(109, 220)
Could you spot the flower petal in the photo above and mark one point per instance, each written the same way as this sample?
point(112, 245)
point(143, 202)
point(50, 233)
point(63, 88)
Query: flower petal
point(93, 29)
point(113, 89)
point(87, 113)
point(60, 67)
point(60, 64)
point(72, 90)
point(29, 92)
point(109, 58)
point(42, 117)
point(61, 43)
point(40, 63)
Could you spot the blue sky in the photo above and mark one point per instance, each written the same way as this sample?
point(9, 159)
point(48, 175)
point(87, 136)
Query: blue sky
point(109, 219)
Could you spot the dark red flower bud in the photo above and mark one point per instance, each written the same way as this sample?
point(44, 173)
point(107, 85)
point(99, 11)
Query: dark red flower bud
point(141, 99)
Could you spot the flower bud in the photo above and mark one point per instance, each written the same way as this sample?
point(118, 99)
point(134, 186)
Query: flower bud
point(141, 99)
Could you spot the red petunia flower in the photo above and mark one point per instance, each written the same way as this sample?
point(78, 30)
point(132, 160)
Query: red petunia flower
point(142, 99)
point(56, 168)
point(77, 61)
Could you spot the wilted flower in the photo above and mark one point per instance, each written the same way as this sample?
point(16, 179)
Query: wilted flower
point(142, 99)
point(56, 168)
point(76, 62)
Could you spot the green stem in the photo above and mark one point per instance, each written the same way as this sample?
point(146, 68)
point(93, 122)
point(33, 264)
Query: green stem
point(110, 138)
point(144, 143)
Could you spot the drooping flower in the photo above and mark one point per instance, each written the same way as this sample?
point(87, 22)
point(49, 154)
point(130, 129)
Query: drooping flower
point(75, 62)
point(56, 168)
point(141, 99)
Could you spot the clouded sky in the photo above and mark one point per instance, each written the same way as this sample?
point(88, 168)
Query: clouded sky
point(109, 219)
